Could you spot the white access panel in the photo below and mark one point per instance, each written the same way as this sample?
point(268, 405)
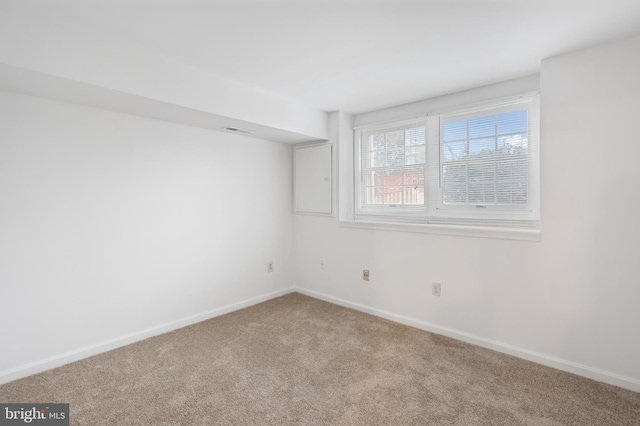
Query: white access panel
point(312, 179)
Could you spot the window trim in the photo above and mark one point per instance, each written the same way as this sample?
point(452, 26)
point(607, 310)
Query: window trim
point(498, 222)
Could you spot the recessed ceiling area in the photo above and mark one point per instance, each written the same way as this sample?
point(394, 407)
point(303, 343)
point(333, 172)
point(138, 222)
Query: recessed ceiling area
point(351, 56)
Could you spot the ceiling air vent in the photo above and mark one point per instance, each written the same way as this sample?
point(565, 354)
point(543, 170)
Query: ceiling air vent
point(237, 129)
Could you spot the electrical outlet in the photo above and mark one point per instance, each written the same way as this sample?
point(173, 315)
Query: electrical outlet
point(269, 266)
point(436, 289)
point(365, 275)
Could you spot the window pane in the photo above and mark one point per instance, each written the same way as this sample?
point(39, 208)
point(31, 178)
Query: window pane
point(512, 170)
point(393, 177)
point(455, 130)
point(452, 151)
point(484, 172)
point(414, 195)
point(454, 173)
point(482, 147)
point(414, 176)
point(513, 122)
point(376, 142)
point(374, 195)
point(414, 155)
point(512, 193)
point(395, 139)
point(395, 148)
point(415, 136)
point(482, 194)
point(395, 158)
point(393, 195)
point(454, 194)
point(373, 178)
point(517, 144)
point(375, 159)
point(482, 126)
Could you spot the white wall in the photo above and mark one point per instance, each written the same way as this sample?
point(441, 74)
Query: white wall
point(569, 300)
point(115, 227)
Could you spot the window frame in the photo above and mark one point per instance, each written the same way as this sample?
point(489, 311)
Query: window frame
point(382, 210)
point(434, 211)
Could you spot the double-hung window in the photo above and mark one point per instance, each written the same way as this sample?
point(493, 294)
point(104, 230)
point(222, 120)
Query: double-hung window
point(393, 167)
point(471, 167)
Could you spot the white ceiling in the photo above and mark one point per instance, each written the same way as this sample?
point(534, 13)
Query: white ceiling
point(350, 55)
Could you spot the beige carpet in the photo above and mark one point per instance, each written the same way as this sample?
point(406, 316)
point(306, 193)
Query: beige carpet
point(296, 360)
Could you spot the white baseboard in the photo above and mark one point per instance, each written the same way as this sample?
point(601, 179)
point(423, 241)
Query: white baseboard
point(550, 361)
point(87, 351)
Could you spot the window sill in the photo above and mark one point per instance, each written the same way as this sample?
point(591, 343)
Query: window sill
point(457, 230)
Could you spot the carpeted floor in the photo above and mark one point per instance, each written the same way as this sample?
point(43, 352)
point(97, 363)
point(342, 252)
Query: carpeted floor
point(296, 360)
